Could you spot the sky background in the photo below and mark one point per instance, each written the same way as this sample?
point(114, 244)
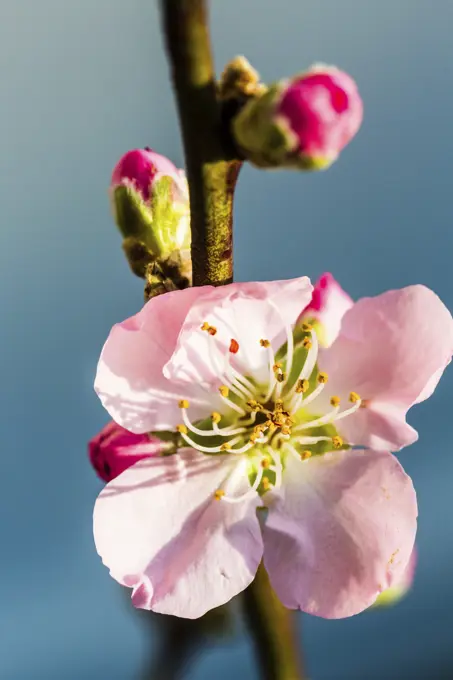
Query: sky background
point(81, 83)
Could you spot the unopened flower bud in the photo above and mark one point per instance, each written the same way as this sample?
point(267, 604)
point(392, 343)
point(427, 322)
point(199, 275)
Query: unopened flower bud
point(301, 123)
point(150, 202)
point(115, 449)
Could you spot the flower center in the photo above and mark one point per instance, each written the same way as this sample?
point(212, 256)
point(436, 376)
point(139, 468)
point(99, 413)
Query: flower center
point(264, 422)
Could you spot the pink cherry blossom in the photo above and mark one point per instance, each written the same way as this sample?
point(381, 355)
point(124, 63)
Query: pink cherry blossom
point(257, 424)
point(114, 449)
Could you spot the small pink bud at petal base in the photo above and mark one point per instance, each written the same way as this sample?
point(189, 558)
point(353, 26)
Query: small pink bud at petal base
point(115, 449)
point(139, 168)
point(320, 111)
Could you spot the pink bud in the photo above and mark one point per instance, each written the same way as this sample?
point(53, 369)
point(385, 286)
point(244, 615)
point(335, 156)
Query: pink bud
point(140, 167)
point(320, 111)
point(115, 449)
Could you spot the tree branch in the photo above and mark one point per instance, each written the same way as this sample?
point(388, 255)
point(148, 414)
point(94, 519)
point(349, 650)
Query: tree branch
point(211, 167)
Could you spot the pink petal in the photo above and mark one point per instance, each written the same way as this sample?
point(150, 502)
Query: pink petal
point(246, 312)
point(328, 305)
point(129, 379)
point(392, 350)
point(159, 530)
point(342, 531)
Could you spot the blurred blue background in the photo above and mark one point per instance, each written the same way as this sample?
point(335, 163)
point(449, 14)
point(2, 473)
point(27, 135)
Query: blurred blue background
point(82, 82)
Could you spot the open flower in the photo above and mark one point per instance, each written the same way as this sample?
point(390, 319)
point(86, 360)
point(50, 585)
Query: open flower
point(264, 418)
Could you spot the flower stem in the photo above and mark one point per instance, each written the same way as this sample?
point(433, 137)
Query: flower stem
point(272, 627)
point(211, 166)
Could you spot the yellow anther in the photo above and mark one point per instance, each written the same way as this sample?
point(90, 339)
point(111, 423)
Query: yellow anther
point(337, 442)
point(307, 327)
point(335, 401)
point(285, 430)
point(302, 386)
point(354, 397)
point(265, 463)
point(266, 484)
point(225, 446)
point(219, 494)
point(280, 377)
point(307, 343)
point(305, 455)
point(212, 330)
point(265, 343)
point(224, 391)
point(279, 405)
point(183, 403)
point(254, 405)
point(182, 429)
point(277, 367)
point(216, 417)
point(322, 378)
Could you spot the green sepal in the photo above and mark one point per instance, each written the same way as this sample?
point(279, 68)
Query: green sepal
point(261, 141)
point(162, 224)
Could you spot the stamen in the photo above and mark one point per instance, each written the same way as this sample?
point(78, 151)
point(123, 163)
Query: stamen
point(304, 441)
point(224, 392)
point(248, 494)
point(272, 378)
point(243, 449)
point(323, 378)
point(289, 343)
point(227, 432)
point(207, 449)
point(183, 403)
point(335, 401)
point(307, 343)
point(337, 442)
point(309, 363)
point(328, 418)
point(277, 468)
point(302, 386)
point(182, 429)
point(305, 455)
point(212, 330)
point(219, 494)
point(349, 411)
point(244, 391)
point(265, 483)
point(216, 417)
point(234, 346)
